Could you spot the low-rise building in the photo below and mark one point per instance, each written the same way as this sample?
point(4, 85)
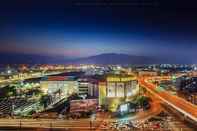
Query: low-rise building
point(66, 85)
point(147, 73)
point(88, 87)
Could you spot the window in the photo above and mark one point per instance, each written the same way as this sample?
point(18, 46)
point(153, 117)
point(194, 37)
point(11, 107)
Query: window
point(111, 90)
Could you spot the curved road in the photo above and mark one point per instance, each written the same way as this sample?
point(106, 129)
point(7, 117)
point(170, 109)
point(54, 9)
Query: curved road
point(176, 102)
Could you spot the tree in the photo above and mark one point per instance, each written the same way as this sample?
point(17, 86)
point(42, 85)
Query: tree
point(44, 100)
point(142, 100)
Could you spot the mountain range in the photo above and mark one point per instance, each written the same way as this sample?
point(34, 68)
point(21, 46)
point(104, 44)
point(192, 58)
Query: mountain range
point(107, 58)
point(114, 58)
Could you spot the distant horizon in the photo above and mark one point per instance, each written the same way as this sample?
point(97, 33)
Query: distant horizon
point(71, 29)
point(104, 58)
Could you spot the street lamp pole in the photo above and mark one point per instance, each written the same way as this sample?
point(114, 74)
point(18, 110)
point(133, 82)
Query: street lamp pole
point(51, 126)
point(93, 116)
point(90, 124)
point(20, 125)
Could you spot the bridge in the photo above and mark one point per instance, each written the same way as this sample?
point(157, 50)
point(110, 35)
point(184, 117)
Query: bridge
point(189, 110)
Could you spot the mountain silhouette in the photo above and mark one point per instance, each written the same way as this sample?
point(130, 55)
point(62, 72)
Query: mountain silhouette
point(107, 58)
point(114, 58)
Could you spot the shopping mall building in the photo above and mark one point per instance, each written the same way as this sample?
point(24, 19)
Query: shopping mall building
point(115, 90)
point(67, 85)
point(70, 83)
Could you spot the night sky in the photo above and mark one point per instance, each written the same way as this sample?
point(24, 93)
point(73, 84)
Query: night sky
point(78, 29)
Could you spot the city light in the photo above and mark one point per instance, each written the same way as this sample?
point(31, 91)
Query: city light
point(103, 65)
point(124, 108)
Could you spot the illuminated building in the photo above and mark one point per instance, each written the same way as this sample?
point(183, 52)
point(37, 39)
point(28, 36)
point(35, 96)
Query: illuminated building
point(147, 73)
point(88, 87)
point(70, 82)
point(117, 89)
point(187, 86)
point(67, 85)
point(83, 86)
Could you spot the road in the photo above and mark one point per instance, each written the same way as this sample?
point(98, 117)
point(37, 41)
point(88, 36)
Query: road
point(78, 124)
point(82, 124)
point(6, 82)
point(155, 109)
point(48, 123)
point(176, 102)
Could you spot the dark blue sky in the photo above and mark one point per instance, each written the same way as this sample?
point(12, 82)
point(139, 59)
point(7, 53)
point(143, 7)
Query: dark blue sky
point(79, 29)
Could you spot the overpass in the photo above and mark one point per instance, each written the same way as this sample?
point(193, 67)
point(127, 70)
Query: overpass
point(189, 110)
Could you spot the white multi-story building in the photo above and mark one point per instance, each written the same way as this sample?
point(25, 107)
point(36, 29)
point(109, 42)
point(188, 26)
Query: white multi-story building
point(63, 84)
point(88, 87)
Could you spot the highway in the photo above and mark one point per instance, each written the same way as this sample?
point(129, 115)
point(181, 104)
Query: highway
point(176, 102)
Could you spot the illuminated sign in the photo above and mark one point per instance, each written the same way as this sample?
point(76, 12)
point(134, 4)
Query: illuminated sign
point(120, 79)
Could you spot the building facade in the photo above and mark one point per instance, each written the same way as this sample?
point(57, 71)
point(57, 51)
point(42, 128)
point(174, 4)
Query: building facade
point(117, 89)
point(88, 87)
point(65, 85)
